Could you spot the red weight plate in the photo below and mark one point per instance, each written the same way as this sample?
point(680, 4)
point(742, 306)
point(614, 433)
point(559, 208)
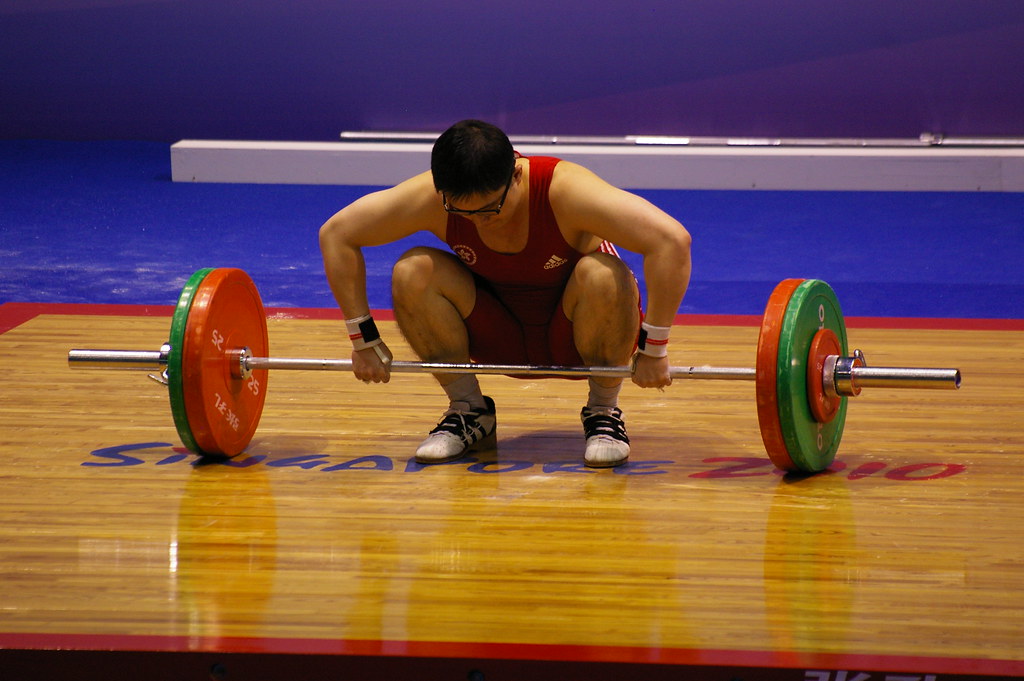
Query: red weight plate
point(226, 314)
point(823, 406)
point(767, 376)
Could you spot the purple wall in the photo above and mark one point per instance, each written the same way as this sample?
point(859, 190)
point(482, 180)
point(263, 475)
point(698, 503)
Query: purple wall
point(308, 69)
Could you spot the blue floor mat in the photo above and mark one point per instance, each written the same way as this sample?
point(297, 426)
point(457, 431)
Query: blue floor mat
point(101, 222)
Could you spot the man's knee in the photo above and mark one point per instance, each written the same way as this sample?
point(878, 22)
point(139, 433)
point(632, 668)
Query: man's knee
point(414, 262)
point(606, 277)
point(423, 272)
point(416, 270)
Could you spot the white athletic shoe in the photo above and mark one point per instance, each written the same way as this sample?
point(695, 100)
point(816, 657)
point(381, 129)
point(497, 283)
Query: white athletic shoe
point(461, 430)
point(607, 444)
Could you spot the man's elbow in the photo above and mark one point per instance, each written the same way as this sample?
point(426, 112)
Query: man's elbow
point(330, 233)
point(681, 242)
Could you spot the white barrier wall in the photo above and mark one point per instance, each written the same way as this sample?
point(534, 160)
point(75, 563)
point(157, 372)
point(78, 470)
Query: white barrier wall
point(925, 168)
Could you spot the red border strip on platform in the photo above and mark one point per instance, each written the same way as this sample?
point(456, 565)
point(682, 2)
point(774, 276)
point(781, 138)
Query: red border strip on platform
point(13, 315)
point(16, 314)
point(517, 651)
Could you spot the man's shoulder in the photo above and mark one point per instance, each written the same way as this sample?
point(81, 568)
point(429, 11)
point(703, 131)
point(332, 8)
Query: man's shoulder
point(570, 180)
point(409, 206)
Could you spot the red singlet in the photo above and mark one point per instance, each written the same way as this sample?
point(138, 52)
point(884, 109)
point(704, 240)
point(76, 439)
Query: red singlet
point(518, 317)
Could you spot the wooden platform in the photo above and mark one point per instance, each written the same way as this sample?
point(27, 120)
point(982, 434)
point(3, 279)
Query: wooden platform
point(324, 552)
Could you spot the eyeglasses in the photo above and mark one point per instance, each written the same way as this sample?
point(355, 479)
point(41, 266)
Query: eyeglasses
point(480, 211)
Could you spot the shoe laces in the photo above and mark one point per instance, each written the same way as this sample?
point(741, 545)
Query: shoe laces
point(462, 423)
point(606, 421)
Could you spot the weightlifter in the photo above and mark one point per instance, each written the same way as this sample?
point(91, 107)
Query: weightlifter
point(531, 278)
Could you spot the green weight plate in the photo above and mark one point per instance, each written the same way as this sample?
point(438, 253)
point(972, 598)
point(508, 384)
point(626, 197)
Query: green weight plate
point(177, 342)
point(811, 445)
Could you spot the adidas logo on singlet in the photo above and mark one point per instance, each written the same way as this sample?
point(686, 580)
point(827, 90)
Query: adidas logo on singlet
point(553, 262)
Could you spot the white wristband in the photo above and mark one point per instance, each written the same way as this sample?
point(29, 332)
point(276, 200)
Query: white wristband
point(362, 331)
point(653, 340)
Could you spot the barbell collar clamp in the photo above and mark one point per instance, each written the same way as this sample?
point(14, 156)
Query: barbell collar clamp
point(238, 362)
point(845, 380)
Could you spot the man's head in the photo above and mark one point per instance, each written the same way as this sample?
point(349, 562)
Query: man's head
point(471, 158)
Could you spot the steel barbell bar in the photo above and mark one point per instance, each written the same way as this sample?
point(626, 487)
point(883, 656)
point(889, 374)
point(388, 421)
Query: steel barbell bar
point(243, 363)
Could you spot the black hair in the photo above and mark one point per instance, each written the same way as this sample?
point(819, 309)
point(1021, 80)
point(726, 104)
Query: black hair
point(471, 157)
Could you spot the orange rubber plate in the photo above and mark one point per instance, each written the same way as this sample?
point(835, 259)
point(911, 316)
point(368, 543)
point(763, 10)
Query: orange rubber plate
point(766, 370)
point(226, 314)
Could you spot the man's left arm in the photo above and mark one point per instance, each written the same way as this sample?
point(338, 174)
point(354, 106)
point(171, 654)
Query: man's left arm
point(591, 205)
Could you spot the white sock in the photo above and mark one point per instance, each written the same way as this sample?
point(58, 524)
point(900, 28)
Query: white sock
point(466, 388)
point(603, 396)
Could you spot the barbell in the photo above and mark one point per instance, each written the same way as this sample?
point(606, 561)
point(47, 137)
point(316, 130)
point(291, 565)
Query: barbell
point(216, 363)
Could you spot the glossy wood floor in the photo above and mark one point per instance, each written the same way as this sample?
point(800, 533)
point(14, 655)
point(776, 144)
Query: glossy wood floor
point(908, 555)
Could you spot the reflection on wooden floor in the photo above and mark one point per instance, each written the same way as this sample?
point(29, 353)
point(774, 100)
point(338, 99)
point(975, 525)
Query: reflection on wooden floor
point(911, 549)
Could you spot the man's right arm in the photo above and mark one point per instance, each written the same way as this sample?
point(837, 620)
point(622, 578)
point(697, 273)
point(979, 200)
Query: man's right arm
point(375, 219)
